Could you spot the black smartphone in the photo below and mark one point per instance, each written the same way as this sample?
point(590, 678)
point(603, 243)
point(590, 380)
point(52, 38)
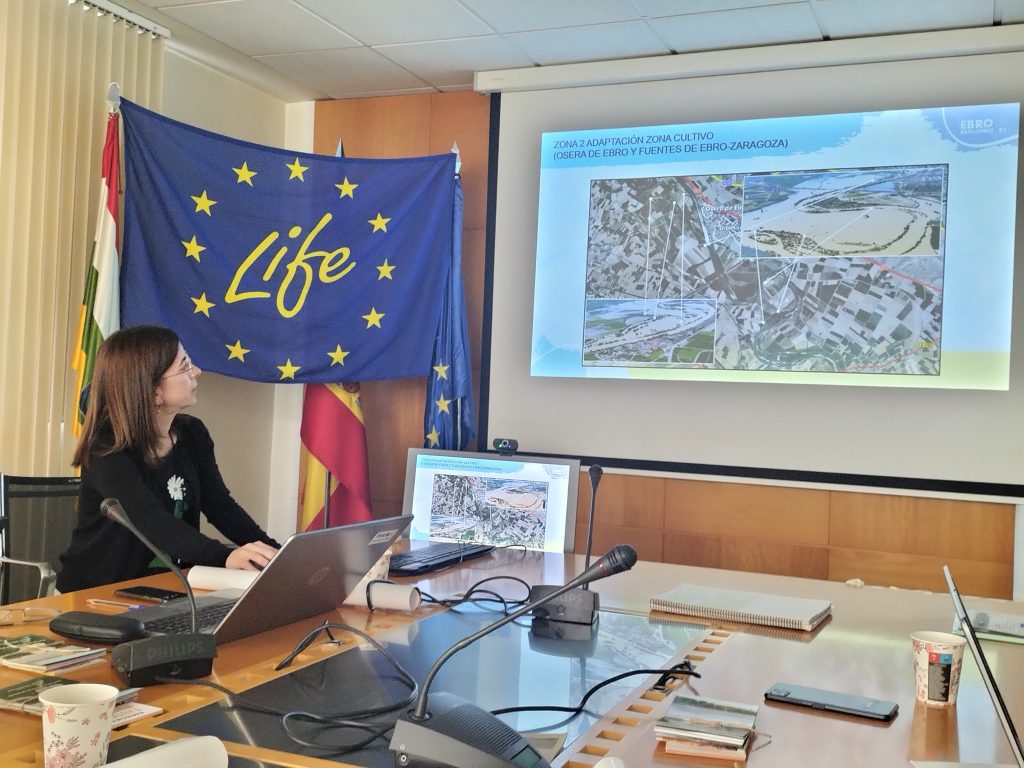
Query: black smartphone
point(832, 701)
point(149, 594)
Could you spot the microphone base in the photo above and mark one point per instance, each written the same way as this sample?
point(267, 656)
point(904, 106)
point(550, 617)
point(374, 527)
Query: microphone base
point(155, 660)
point(578, 606)
point(563, 638)
point(457, 734)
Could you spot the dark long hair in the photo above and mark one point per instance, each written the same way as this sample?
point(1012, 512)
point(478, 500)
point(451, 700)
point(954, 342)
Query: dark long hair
point(121, 398)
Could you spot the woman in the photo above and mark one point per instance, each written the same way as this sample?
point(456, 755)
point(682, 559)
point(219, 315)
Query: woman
point(137, 446)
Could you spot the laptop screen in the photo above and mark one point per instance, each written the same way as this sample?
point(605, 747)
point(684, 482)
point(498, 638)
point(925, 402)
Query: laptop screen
point(492, 499)
point(984, 669)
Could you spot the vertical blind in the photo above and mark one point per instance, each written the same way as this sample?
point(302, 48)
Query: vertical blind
point(57, 59)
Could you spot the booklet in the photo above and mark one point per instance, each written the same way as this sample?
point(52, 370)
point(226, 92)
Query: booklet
point(743, 607)
point(704, 727)
point(989, 625)
point(35, 653)
point(24, 697)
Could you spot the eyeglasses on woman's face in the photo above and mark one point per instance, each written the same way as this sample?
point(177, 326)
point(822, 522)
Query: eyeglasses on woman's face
point(185, 367)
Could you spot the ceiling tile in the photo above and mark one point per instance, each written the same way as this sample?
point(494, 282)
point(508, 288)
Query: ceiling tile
point(591, 43)
point(345, 72)
point(172, 3)
point(676, 8)
point(766, 25)
point(382, 22)
point(452, 62)
point(841, 18)
point(525, 15)
point(257, 27)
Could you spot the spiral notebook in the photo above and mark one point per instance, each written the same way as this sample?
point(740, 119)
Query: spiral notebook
point(743, 607)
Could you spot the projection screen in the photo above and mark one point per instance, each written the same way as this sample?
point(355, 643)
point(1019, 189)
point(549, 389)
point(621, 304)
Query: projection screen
point(619, 332)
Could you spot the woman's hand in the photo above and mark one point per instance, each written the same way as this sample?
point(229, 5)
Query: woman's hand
point(253, 556)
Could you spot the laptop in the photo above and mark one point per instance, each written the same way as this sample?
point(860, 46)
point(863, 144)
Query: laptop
point(986, 674)
point(466, 504)
point(311, 574)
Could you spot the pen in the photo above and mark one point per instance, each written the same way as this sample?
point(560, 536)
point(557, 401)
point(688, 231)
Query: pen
point(94, 601)
point(256, 565)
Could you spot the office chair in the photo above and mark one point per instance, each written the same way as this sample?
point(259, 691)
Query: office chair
point(37, 516)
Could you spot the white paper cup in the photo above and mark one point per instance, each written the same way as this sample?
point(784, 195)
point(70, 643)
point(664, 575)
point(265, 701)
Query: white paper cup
point(938, 657)
point(76, 724)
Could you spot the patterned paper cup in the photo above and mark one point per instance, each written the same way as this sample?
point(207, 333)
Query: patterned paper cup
point(938, 657)
point(76, 724)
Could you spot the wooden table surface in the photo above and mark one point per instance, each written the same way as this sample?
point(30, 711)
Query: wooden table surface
point(863, 649)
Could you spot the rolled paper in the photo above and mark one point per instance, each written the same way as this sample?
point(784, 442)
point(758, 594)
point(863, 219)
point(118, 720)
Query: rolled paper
point(194, 752)
point(396, 597)
point(209, 577)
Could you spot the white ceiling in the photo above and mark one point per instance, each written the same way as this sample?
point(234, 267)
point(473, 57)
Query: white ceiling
point(353, 48)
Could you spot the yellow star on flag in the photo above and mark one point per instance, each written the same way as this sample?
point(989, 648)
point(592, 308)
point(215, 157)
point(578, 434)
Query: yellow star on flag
point(244, 174)
point(338, 355)
point(203, 203)
point(433, 436)
point(238, 352)
point(442, 404)
point(379, 223)
point(193, 248)
point(202, 305)
point(385, 270)
point(373, 319)
point(288, 370)
point(346, 188)
point(297, 170)
point(442, 371)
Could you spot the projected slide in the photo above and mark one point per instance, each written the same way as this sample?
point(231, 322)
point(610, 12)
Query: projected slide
point(792, 271)
point(490, 499)
point(801, 250)
point(499, 511)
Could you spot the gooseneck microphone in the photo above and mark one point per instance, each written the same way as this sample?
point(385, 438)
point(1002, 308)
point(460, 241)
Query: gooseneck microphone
point(112, 509)
point(456, 733)
point(595, 473)
point(149, 660)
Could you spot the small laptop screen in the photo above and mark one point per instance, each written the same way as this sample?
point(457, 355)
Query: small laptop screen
point(986, 671)
point(488, 498)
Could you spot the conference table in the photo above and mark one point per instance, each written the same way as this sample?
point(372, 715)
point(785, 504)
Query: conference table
point(864, 649)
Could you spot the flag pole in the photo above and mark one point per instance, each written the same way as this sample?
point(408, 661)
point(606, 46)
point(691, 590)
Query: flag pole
point(327, 498)
point(113, 98)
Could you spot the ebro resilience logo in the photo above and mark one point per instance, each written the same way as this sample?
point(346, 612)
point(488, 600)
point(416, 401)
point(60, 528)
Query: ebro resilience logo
point(982, 125)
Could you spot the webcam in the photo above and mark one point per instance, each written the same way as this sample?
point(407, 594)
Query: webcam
point(505, 445)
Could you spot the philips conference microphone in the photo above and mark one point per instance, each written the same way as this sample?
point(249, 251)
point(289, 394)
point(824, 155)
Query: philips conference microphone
point(573, 608)
point(151, 660)
point(444, 730)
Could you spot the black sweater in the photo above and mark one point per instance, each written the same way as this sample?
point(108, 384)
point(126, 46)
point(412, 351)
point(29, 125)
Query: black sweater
point(163, 502)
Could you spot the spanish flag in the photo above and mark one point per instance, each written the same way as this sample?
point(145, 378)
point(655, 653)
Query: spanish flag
point(333, 440)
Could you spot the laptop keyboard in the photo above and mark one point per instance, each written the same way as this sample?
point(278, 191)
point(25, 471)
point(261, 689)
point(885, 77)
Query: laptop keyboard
point(435, 556)
point(208, 617)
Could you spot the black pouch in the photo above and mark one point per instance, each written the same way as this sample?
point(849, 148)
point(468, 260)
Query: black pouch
point(97, 627)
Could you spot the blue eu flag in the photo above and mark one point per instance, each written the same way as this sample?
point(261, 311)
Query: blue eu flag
point(448, 416)
point(281, 266)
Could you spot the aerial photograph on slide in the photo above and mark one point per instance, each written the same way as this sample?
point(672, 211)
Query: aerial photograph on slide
point(836, 270)
point(489, 510)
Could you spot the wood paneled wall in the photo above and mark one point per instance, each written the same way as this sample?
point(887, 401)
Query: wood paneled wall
point(886, 540)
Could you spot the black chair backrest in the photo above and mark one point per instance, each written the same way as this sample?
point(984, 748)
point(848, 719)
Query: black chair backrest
point(37, 516)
